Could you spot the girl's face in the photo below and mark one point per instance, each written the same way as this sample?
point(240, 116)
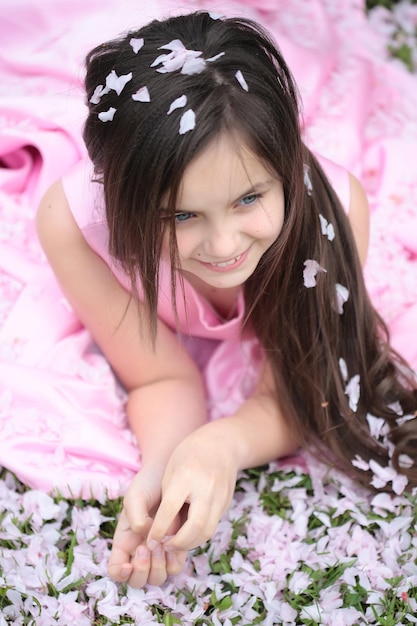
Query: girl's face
point(230, 210)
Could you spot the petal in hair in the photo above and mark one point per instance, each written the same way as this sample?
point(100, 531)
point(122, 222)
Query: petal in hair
point(377, 426)
point(99, 91)
point(187, 122)
point(117, 83)
point(312, 268)
point(178, 103)
point(326, 228)
point(142, 95)
point(137, 44)
point(307, 180)
point(216, 56)
point(107, 116)
point(342, 296)
point(215, 16)
point(360, 463)
point(343, 369)
point(193, 65)
point(353, 391)
point(188, 61)
point(241, 80)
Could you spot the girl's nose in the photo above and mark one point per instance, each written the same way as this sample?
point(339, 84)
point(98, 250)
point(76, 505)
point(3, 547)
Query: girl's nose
point(222, 242)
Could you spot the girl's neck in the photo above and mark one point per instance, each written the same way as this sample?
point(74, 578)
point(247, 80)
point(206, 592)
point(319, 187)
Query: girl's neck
point(222, 301)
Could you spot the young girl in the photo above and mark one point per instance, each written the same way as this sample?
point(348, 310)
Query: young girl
point(217, 263)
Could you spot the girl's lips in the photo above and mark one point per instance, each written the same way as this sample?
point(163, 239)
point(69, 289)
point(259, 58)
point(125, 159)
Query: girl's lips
point(227, 266)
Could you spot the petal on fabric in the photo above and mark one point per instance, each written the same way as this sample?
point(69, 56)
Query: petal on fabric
point(136, 43)
point(216, 56)
point(107, 116)
point(142, 95)
point(117, 83)
point(312, 268)
point(187, 122)
point(178, 103)
point(241, 80)
point(342, 296)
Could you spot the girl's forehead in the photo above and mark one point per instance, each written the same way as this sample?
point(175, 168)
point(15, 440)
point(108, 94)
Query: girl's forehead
point(224, 170)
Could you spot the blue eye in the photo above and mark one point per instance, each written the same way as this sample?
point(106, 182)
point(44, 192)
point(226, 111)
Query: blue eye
point(248, 200)
point(182, 217)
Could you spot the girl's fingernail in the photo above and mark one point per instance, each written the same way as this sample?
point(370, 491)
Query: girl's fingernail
point(142, 552)
point(152, 544)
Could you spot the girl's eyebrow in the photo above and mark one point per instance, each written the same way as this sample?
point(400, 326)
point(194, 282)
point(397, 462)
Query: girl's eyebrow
point(255, 188)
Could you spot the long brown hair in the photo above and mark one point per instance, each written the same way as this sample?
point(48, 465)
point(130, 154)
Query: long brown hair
point(141, 157)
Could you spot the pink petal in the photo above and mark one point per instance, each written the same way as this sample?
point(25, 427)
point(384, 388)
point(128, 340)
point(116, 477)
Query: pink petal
point(310, 272)
point(307, 180)
point(352, 390)
point(142, 95)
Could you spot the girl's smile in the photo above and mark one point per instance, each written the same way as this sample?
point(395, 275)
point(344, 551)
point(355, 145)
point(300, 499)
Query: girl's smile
point(230, 211)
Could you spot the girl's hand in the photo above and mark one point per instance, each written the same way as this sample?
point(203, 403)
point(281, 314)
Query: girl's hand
point(130, 560)
point(202, 473)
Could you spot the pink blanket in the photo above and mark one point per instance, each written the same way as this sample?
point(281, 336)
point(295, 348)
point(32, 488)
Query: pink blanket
point(61, 410)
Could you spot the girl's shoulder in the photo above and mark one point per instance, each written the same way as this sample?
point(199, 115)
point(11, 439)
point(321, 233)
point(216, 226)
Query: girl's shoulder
point(84, 194)
point(339, 178)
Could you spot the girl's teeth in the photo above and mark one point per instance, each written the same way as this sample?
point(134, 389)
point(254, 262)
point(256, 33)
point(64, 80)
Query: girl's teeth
point(226, 263)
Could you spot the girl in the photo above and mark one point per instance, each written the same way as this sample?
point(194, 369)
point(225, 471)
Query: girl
point(235, 285)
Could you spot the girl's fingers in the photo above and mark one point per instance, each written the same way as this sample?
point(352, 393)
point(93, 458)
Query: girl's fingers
point(158, 570)
point(141, 563)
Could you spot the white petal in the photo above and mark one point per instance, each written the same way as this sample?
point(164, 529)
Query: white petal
point(326, 228)
point(352, 390)
point(217, 56)
point(117, 83)
point(307, 180)
point(310, 272)
point(107, 116)
point(175, 44)
point(99, 91)
point(215, 16)
point(136, 43)
point(342, 296)
point(193, 66)
point(142, 95)
point(178, 103)
point(343, 369)
point(187, 122)
point(360, 463)
point(241, 80)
